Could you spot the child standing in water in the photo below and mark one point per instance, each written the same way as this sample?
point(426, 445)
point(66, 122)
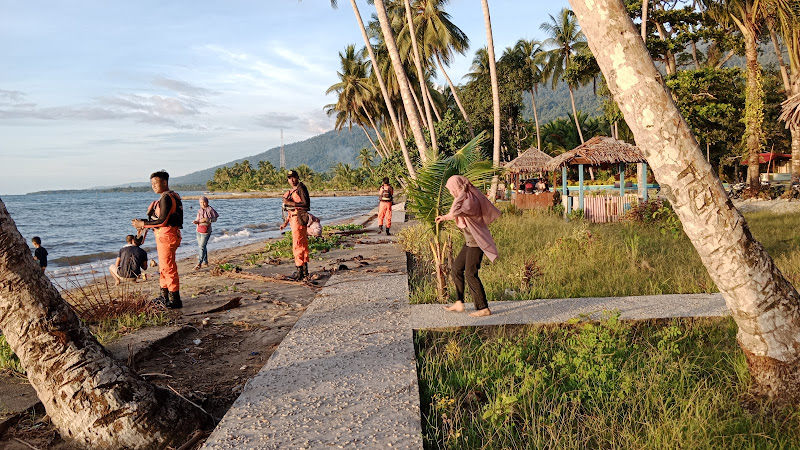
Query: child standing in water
point(473, 213)
point(40, 254)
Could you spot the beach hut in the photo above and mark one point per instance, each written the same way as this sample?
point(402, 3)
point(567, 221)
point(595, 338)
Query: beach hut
point(528, 164)
point(601, 151)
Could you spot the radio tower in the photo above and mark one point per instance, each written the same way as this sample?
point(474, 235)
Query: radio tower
point(283, 156)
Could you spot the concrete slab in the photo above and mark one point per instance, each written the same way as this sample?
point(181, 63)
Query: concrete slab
point(344, 377)
point(564, 309)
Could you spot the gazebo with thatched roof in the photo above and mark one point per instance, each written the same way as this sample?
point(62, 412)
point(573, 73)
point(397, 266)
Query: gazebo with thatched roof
point(530, 161)
point(601, 151)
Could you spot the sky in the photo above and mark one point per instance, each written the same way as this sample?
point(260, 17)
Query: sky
point(103, 93)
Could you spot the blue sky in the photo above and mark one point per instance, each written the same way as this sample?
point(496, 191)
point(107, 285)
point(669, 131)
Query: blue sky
point(96, 93)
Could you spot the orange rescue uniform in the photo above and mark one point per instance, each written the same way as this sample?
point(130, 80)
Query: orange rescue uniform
point(385, 206)
point(298, 218)
point(168, 239)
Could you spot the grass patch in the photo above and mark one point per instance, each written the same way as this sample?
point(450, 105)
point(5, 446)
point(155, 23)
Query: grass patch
point(541, 256)
point(9, 362)
point(282, 248)
point(613, 384)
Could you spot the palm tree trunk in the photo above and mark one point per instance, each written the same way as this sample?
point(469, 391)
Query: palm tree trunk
point(423, 85)
point(536, 118)
point(433, 104)
point(764, 304)
point(754, 109)
point(644, 20)
point(781, 63)
point(89, 396)
point(377, 133)
point(795, 130)
point(386, 98)
point(402, 80)
point(370, 139)
point(575, 113)
point(495, 96)
point(790, 91)
point(456, 97)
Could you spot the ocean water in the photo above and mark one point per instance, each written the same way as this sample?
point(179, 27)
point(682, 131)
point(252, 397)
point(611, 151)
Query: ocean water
point(84, 231)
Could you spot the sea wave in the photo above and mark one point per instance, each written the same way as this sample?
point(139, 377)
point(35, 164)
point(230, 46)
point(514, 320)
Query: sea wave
point(83, 259)
point(226, 235)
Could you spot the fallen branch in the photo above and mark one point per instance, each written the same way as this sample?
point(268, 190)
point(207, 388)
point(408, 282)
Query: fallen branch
point(194, 404)
point(192, 440)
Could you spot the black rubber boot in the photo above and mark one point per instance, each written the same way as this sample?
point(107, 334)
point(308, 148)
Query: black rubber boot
point(298, 275)
point(163, 299)
point(387, 231)
point(380, 229)
point(306, 275)
point(174, 300)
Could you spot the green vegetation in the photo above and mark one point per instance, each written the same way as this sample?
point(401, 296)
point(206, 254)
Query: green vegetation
point(9, 362)
point(282, 248)
point(541, 256)
point(651, 384)
point(115, 327)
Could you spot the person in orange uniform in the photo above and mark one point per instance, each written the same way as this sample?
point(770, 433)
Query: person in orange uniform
point(297, 203)
point(385, 200)
point(165, 216)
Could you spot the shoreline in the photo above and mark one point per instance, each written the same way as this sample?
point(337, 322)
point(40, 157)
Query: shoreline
point(278, 193)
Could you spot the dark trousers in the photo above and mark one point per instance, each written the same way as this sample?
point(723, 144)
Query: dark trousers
point(467, 264)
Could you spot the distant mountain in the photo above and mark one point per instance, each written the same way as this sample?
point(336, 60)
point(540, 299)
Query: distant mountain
point(319, 152)
point(552, 104)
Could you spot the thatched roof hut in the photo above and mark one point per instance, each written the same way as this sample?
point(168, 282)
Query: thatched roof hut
point(791, 111)
point(532, 160)
point(599, 150)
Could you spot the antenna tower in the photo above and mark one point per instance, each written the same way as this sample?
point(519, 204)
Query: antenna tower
point(283, 155)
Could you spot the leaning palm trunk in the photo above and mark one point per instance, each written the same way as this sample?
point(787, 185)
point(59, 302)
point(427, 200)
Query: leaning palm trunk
point(536, 119)
point(90, 397)
point(495, 96)
point(764, 304)
point(423, 85)
point(575, 113)
point(402, 80)
point(455, 96)
point(385, 92)
point(377, 150)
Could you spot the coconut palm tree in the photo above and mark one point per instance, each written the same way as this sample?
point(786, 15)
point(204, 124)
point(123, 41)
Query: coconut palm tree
point(487, 21)
point(402, 78)
point(428, 197)
point(480, 65)
point(765, 306)
point(89, 396)
point(384, 91)
point(566, 39)
point(441, 38)
point(532, 49)
point(365, 158)
point(788, 25)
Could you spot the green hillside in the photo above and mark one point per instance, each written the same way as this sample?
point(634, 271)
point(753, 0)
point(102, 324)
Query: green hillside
point(319, 152)
point(553, 104)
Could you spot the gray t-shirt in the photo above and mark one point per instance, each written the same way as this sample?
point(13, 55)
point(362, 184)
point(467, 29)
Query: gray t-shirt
point(469, 239)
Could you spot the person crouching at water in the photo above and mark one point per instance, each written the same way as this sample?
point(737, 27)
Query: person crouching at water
point(205, 215)
point(297, 203)
point(385, 200)
point(473, 213)
point(165, 216)
point(130, 262)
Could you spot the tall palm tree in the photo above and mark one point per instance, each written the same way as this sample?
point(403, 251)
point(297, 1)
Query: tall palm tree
point(532, 49)
point(788, 24)
point(480, 65)
point(384, 92)
point(765, 306)
point(400, 73)
point(89, 396)
point(566, 39)
point(441, 38)
point(354, 90)
point(487, 20)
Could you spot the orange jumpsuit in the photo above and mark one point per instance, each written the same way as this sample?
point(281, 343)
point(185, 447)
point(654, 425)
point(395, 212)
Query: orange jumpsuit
point(385, 206)
point(299, 230)
point(168, 239)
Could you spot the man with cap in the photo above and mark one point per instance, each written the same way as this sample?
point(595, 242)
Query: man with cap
point(297, 203)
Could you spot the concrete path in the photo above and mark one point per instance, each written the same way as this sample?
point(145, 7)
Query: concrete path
point(564, 309)
point(344, 377)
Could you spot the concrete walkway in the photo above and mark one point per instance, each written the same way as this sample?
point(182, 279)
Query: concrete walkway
point(345, 376)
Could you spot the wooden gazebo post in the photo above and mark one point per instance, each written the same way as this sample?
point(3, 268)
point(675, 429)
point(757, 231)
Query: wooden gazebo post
point(580, 186)
point(622, 180)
